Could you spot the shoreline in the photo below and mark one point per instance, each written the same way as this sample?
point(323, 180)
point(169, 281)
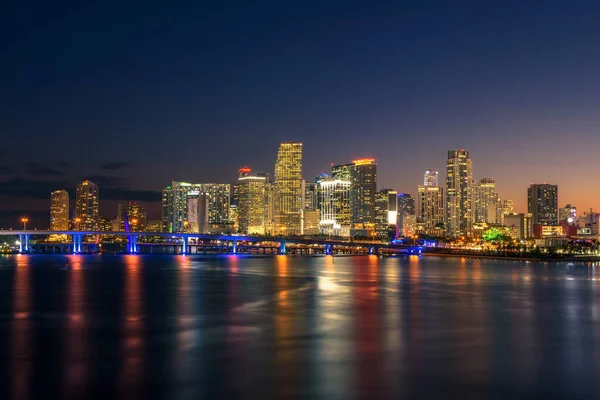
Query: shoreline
point(500, 257)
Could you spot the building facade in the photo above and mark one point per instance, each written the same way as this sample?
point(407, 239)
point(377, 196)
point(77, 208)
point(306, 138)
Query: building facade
point(86, 206)
point(459, 193)
point(542, 203)
point(251, 202)
point(334, 197)
point(386, 213)
point(487, 204)
point(287, 190)
point(363, 179)
point(59, 210)
point(406, 221)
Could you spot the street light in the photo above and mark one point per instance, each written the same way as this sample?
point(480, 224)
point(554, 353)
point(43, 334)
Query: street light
point(24, 220)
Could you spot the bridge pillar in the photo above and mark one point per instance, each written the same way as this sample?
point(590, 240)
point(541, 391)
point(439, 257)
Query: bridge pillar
point(281, 247)
point(135, 245)
point(371, 250)
point(20, 243)
point(79, 237)
point(328, 249)
point(26, 242)
point(184, 245)
point(234, 247)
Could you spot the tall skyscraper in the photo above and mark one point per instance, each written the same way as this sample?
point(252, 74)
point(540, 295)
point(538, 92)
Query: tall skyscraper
point(406, 221)
point(287, 190)
point(431, 178)
point(363, 177)
point(86, 206)
point(59, 210)
point(335, 207)
point(251, 202)
point(430, 207)
point(486, 201)
point(542, 203)
point(459, 193)
point(385, 213)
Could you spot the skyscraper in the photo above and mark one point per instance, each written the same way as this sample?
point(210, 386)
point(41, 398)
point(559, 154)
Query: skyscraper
point(134, 214)
point(59, 210)
point(385, 213)
point(251, 202)
point(542, 203)
point(406, 221)
point(363, 179)
point(486, 201)
point(459, 193)
point(287, 190)
point(335, 207)
point(430, 203)
point(86, 206)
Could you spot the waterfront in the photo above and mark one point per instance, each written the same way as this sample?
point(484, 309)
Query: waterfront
point(141, 326)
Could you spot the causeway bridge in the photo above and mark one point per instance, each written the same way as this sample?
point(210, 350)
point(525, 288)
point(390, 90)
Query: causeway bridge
point(77, 242)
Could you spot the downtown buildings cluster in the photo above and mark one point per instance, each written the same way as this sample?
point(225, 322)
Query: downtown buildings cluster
point(345, 202)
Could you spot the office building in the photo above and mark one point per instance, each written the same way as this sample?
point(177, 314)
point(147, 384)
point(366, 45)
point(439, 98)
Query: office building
point(542, 204)
point(363, 178)
point(251, 202)
point(568, 214)
point(459, 193)
point(486, 209)
point(104, 224)
point(385, 213)
point(86, 206)
point(334, 197)
point(406, 220)
point(520, 226)
point(197, 212)
point(59, 210)
point(287, 190)
point(430, 207)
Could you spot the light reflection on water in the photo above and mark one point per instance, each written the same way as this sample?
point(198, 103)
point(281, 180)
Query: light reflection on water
point(348, 327)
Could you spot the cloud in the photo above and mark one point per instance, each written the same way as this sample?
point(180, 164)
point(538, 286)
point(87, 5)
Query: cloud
point(113, 166)
point(108, 181)
point(38, 170)
point(130, 195)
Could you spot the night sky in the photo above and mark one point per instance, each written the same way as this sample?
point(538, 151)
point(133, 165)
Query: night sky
point(133, 94)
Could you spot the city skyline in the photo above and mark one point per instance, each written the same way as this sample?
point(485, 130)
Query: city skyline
point(402, 83)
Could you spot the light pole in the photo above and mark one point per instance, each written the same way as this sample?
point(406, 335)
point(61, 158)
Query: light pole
point(24, 220)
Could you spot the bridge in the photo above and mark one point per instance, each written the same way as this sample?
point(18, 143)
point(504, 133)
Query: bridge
point(183, 243)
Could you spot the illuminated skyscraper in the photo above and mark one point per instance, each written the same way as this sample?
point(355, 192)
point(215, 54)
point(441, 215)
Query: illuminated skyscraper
point(542, 203)
point(486, 201)
point(59, 210)
point(86, 206)
point(406, 221)
point(335, 207)
point(251, 202)
point(385, 213)
point(431, 178)
point(287, 190)
point(459, 193)
point(363, 178)
point(430, 206)
point(568, 214)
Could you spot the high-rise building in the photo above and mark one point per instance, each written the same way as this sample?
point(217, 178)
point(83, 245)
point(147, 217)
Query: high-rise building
point(197, 212)
point(104, 224)
point(334, 197)
point(430, 207)
point(131, 217)
point(406, 220)
point(287, 190)
point(86, 206)
point(385, 213)
point(459, 193)
point(311, 196)
point(430, 178)
point(59, 210)
point(251, 202)
point(486, 201)
point(363, 177)
point(542, 203)
point(568, 214)
point(508, 207)
point(175, 205)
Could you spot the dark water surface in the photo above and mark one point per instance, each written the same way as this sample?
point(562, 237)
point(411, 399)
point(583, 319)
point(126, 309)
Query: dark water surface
point(185, 327)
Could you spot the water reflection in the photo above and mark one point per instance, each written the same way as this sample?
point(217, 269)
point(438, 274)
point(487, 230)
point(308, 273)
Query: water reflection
point(21, 351)
point(76, 339)
point(132, 331)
